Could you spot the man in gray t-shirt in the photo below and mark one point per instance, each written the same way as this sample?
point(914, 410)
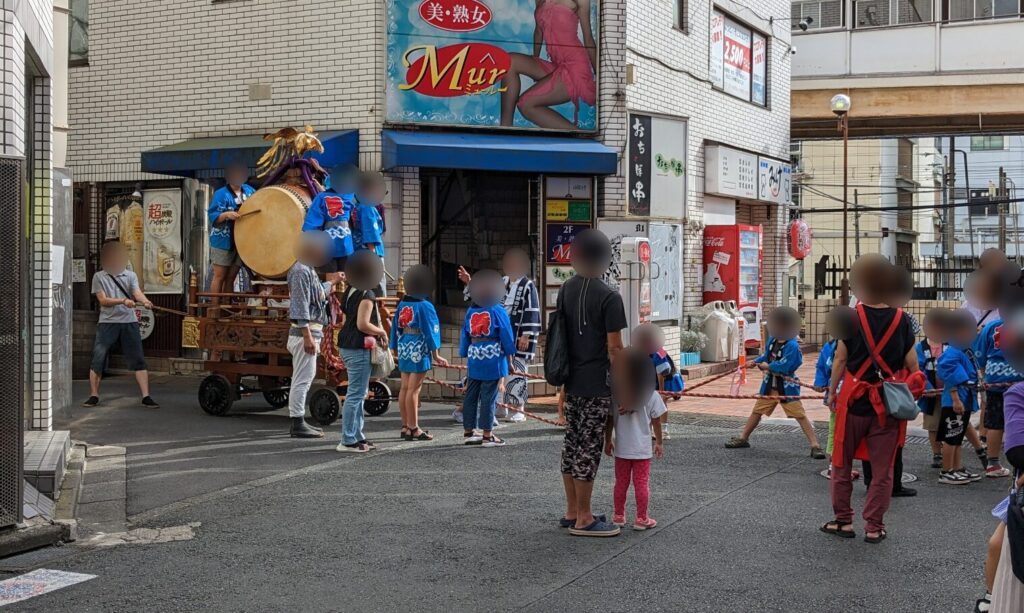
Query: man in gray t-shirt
point(117, 291)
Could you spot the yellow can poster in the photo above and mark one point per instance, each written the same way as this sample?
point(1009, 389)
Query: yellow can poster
point(132, 235)
point(162, 263)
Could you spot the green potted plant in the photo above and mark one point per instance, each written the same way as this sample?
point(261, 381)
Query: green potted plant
point(691, 342)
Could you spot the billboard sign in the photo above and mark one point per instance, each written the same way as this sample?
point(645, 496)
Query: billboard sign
point(493, 63)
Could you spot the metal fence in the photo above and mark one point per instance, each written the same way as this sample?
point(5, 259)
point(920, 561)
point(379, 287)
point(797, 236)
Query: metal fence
point(12, 362)
point(933, 280)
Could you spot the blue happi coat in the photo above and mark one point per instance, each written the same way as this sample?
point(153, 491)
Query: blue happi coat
point(368, 228)
point(222, 235)
point(928, 363)
point(783, 357)
point(991, 359)
point(956, 368)
point(667, 371)
point(487, 342)
point(414, 350)
point(332, 212)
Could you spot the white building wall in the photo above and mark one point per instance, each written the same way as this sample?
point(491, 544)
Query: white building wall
point(671, 78)
point(28, 64)
point(154, 78)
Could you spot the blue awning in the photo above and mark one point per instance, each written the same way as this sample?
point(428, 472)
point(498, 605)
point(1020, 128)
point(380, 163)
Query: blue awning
point(506, 152)
point(191, 157)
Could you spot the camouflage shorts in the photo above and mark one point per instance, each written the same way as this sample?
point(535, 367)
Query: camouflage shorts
point(585, 423)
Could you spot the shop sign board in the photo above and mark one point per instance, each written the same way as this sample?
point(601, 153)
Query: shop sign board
point(657, 166)
point(448, 62)
point(558, 246)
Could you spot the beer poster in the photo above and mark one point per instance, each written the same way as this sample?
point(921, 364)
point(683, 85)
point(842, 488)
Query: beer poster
point(515, 64)
point(132, 238)
point(162, 221)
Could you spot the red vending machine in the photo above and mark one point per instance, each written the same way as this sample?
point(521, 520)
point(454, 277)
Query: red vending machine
point(732, 271)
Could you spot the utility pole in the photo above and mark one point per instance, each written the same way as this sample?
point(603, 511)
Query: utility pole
point(856, 226)
point(1001, 196)
point(950, 238)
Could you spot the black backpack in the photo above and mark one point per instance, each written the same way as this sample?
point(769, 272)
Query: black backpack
point(556, 351)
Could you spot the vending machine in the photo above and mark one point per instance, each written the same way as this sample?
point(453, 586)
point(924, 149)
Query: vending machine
point(635, 282)
point(732, 271)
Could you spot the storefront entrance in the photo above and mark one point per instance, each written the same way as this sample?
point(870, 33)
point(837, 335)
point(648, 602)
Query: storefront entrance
point(470, 218)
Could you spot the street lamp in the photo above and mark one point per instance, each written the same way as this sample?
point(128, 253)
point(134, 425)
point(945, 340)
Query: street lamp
point(840, 106)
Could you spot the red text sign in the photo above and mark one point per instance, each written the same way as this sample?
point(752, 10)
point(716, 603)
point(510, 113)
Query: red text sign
point(455, 15)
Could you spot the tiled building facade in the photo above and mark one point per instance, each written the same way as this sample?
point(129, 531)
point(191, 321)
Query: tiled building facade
point(232, 68)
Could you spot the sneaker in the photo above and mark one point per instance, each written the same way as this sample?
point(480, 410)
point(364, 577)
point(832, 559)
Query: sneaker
point(492, 441)
point(569, 523)
point(828, 472)
point(353, 448)
point(619, 520)
point(737, 443)
point(149, 403)
point(996, 471)
point(644, 524)
point(457, 416)
point(983, 605)
point(952, 478)
point(972, 477)
point(937, 460)
point(517, 418)
point(817, 453)
point(664, 432)
point(91, 402)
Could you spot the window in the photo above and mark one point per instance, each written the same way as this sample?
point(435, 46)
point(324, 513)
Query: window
point(987, 143)
point(738, 60)
point(968, 10)
point(823, 14)
point(879, 13)
point(981, 204)
point(680, 15)
point(78, 43)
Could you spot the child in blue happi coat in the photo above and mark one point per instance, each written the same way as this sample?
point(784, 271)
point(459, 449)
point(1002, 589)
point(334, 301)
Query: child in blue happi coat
point(958, 370)
point(780, 360)
point(929, 350)
point(650, 338)
point(489, 345)
point(416, 338)
point(999, 374)
point(367, 222)
point(835, 322)
point(331, 212)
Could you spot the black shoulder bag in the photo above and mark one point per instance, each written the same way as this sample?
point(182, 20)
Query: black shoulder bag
point(556, 351)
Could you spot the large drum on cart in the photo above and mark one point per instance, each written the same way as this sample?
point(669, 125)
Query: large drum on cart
point(268, 227)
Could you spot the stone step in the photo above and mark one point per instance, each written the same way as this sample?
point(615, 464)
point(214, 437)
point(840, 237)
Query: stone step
point(46, 458)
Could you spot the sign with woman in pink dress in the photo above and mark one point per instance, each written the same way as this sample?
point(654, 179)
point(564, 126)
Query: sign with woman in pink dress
point(501, 63)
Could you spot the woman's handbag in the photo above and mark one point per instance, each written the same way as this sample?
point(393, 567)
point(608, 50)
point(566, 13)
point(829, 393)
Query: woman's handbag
point(382, 363)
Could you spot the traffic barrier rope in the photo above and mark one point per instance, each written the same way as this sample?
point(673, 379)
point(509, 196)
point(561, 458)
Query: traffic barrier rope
point(503, 405)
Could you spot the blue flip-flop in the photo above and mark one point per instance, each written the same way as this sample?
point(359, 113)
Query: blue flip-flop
point(597, 528)
point(569, 523)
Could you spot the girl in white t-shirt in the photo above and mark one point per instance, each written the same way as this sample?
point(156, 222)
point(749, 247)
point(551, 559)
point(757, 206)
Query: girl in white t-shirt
point(638, 409)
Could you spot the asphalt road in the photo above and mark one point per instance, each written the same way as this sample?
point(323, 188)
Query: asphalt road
point(435, 526)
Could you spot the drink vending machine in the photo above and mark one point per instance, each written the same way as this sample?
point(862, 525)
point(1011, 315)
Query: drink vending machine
point(732, 271)
point(635, 282)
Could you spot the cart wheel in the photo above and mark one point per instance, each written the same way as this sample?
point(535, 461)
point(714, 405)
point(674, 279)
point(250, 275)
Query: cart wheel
point(379, 399)
point(276, 398)
point(216, 395)
point(324, 406)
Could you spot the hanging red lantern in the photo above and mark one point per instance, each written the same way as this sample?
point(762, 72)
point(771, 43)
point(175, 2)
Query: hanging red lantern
point(799, 239)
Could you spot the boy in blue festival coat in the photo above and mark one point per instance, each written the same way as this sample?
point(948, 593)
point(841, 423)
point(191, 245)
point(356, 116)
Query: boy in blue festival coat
point(929, 350)
point(489, 345)
point(367, 222)
point(823, 367)
point(331, 212)
point(958, 370)
point(222, 213)
point(782, 356)
point(999, 373)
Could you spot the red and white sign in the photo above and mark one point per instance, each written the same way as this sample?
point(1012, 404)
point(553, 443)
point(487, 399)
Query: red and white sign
point(717, 40)
point(455, 70)
point(736, 60)
point(456, 15)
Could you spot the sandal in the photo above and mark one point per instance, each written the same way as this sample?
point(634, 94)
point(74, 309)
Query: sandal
point(838, 529)
point(876, 539)
point(405, 434)
point(424, 435)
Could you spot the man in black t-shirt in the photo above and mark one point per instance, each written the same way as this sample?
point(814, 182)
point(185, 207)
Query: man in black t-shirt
point(595, 318)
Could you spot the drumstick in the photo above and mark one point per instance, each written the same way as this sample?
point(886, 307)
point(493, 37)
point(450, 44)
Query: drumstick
point(167, 310)
point(247, 213)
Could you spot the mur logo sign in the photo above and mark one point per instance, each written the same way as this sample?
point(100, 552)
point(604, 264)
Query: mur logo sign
point(455, 70)
point(456, 15)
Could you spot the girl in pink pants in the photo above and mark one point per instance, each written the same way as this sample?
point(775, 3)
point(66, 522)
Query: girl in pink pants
point(629, 439)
